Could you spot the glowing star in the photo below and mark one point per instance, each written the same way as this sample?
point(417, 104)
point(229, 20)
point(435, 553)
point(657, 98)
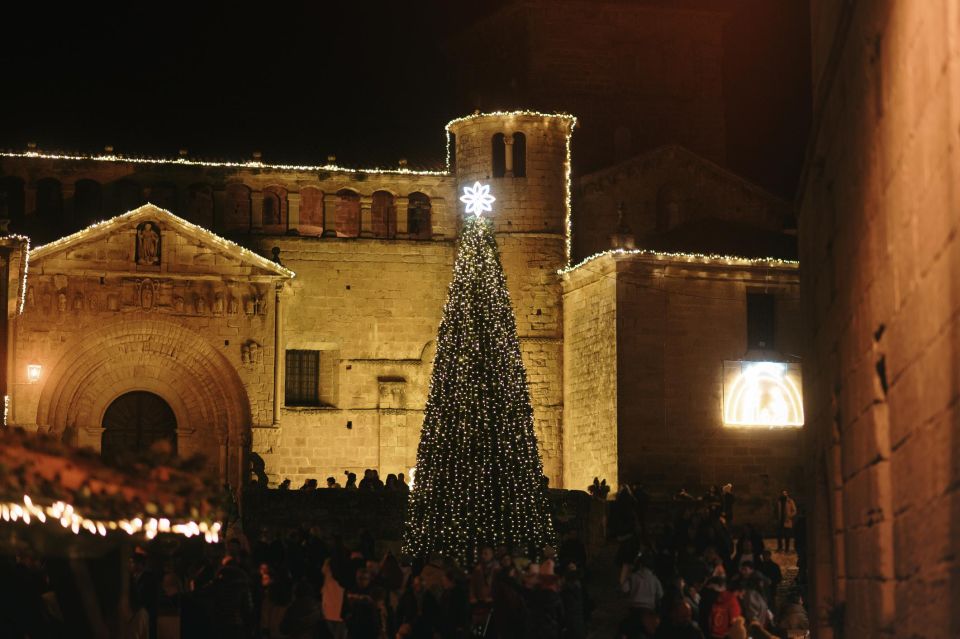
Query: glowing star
point(477, 198)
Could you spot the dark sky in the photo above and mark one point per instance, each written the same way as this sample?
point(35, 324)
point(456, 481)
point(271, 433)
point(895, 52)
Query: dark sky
point(367, 81)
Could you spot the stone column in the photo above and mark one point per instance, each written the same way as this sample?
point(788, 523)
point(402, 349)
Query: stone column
point(278, 353)
point(402, 203)
point(366, 216)
point(330, 214)
point(508, 154)
point(293, 211)
point(256, 210)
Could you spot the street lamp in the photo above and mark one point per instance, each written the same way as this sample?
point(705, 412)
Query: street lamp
point(33, 373)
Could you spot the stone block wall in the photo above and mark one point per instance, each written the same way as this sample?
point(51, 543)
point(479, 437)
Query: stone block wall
point(881, 294)
point(677, 325)
point(590, 377)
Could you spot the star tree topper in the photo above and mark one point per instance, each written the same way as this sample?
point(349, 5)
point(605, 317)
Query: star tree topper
point(477, 198)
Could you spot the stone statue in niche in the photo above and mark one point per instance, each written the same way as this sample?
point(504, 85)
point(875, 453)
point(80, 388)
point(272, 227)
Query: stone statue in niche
point(94, 303)
point(148, 244)
point(31, 298)
point(245, 354)
point(254, 352)
point(261, 306)
point(78, 302)
point(201, 305)
point(177, 304)
point(233, 306)
point(249, 305)
point(218, 304)
point(147, 295)
point(61, 302)
point(113, 303)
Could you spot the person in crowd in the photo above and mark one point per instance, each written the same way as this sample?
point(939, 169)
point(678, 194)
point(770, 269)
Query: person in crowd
point(745, 552)
point(275, 600)
point(751, 587)
point(642, 625)
point(351, 480)
point(391, 483)
point(786, 512)
point(644, 591)
point(309, 484)
point(284, 485)
point(303, 618)
point(232, 599)
point(793, 616)
point(572, 597)
point(145, 583)
point(771, 570)
point(367, 482)
point(726, 502)
point(720, 611)
point(678, 622)
point(402, 485)
point(332, 483)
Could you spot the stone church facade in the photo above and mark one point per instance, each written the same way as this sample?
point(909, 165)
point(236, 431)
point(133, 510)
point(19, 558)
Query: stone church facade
point(290, 311)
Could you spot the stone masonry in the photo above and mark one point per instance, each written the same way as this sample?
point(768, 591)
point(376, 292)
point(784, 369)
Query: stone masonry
point(881, 296)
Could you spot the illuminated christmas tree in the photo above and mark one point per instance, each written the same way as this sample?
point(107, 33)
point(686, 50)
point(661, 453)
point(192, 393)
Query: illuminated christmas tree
point(479, 474)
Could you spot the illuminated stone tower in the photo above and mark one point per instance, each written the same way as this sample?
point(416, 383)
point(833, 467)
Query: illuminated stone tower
point(525, 159)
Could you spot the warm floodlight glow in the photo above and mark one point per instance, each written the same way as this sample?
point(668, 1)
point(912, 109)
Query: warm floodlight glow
point(762, 394)
point(33, 373)
point(477, 198)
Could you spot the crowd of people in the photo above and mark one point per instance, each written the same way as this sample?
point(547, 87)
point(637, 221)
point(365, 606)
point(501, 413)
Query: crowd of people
point(695, 579)
point(691, 575)
point(371, 481)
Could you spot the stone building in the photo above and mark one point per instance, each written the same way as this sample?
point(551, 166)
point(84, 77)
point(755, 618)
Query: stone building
point(879, 221)
point(307, 337)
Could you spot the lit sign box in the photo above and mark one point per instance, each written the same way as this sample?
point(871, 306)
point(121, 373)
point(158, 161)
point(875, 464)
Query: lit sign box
point(765, 394)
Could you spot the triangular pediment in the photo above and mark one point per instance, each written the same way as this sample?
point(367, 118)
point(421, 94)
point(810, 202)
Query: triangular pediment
point(150, 241)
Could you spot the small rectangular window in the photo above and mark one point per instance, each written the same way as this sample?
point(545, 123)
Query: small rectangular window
point(302, 380)
point(760, 320)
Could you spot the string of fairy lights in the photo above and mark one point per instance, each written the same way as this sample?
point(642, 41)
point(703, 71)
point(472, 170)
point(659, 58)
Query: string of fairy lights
point(704, 258)
point(479, 472)
point(251, 164)
point(71, 519)
point(209, 237)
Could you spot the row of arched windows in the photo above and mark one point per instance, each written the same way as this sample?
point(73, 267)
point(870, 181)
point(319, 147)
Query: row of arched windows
point(338, 215)
point(509, 155)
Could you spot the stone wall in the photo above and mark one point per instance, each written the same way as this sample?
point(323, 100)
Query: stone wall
point(590, 378)
point(677, 325)
point(878, 238)
point(645, 349)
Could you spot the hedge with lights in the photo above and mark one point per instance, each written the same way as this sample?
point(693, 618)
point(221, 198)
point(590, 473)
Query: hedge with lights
point(46, 482)
point(479, 476)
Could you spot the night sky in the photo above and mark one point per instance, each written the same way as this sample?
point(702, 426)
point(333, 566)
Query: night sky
point(368, 82)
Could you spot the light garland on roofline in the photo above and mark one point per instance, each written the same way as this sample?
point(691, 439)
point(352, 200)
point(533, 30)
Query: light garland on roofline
point(210, 236)
point(568, 166)
point(732, 260)
point(252, 164)
point(69, 518)
point(26, 267)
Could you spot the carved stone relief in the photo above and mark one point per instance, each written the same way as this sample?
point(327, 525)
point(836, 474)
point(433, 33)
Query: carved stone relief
point(148, 294)
point(148, 244)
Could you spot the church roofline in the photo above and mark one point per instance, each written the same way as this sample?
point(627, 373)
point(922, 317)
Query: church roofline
point(154, 212)
point(623, 165)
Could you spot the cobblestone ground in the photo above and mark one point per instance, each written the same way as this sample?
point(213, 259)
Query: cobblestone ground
point(611, 606)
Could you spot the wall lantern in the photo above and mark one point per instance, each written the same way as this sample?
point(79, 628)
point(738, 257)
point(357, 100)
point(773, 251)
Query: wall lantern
point(33, 373)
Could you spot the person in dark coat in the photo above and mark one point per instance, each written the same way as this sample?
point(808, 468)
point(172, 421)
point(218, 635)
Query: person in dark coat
point(545, 608)
point(304, 617)
point(726, 500)
point(571, 594)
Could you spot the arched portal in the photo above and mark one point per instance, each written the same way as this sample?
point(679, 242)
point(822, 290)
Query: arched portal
point(134, 422)
point(201, 387)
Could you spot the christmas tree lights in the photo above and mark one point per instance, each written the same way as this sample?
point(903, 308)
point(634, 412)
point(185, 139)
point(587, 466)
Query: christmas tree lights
point(479, 473)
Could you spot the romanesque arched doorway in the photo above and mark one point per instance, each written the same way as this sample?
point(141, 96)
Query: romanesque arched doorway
point(134, 422)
